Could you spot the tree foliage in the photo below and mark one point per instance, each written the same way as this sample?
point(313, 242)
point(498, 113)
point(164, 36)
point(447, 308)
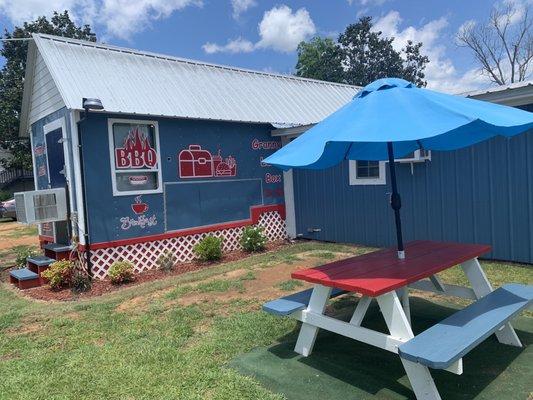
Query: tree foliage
point(503, 47)
point(12, 78)
point(360, 56)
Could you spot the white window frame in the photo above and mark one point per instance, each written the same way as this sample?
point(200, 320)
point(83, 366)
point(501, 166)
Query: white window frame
point(115, 170)
point(354, 180)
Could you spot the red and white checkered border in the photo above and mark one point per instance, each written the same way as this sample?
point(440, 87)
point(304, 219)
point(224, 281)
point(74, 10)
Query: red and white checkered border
point(144, 255)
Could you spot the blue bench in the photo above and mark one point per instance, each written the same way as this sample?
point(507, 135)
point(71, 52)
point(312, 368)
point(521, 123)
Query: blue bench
point(294, 302)
point(446, 342)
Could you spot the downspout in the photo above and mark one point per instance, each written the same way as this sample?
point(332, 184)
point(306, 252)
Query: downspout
point(84, 197)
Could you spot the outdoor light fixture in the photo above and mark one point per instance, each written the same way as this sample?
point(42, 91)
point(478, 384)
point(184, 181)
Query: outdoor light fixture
point(92, 104)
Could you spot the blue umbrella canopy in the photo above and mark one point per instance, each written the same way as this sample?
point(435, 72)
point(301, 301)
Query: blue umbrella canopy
point(412, 118)
point(391, 118)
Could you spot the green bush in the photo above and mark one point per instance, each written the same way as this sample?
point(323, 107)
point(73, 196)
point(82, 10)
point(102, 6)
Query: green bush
point(209, 248)
point(166, 261)
point(253, 239)
point(59, 274)
point(81, 282)
point(22, 253)
point(121, 272)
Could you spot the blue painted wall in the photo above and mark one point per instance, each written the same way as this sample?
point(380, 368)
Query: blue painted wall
point(481, 194)
point(184, 203)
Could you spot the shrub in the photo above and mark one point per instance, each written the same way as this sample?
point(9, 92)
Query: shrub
point(209, 248)
point(253, 239)
point(59, 274)
point(5, 195)
point(166, 261)
point(81, 282)
point(121, 272)
point(22, 253)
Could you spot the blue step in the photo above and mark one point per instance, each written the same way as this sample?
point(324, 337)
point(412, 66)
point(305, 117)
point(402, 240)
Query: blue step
point(40, 261)
point(449, 340)
point(23, 274)
point(294, 302)
point(57, 247)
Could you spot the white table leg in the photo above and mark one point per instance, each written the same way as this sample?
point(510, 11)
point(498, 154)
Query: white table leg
point(317, 304)
point(482, 287)
point(360, 310)
point(399, 326)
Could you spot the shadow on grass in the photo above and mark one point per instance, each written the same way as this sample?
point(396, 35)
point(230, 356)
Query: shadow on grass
point(341, 368)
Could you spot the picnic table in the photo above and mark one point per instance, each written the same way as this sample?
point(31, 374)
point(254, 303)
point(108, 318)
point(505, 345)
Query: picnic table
point(380, 275)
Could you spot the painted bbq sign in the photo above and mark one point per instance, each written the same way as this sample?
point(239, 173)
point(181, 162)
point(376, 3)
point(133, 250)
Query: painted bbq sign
point(196, 162)
point(136, 153)
point(136, 166)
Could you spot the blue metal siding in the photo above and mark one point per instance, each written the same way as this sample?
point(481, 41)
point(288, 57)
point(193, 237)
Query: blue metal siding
point(481, 194)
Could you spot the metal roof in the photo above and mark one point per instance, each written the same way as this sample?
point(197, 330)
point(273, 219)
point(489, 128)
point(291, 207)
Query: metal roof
point(513, 94)
point(134, 82)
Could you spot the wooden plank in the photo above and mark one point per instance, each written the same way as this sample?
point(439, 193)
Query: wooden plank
point(464, 330)
point(294, 302)
point(378, 273)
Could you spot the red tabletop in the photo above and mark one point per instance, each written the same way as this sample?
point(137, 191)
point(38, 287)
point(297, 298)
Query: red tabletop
point(379, 272)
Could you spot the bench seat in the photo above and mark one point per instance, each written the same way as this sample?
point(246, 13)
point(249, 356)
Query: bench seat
point(449, 340)
point(294, 302)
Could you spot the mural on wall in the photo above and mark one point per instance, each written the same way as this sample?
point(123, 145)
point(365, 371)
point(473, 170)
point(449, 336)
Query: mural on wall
point(136, 152)
point(195, 162)
point(142, 221)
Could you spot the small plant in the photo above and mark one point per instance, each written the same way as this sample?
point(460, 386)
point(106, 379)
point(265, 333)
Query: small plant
point(59, 274)
point(166, 261)
point(81, 281)
point(209, 248)
point(4, 195)
point(121, 272)
point(253, 239)
point(289, 285)
point(22, 253)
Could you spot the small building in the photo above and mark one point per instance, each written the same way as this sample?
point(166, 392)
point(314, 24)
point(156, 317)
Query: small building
point(479, 194)
point(176, 152)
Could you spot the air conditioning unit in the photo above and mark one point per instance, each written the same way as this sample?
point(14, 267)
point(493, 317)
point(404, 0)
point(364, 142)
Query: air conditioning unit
point(41, 206)
point(416, 156)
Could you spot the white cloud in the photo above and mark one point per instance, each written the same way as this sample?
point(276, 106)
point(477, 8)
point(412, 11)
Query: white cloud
point(368, 3)
point(281, 29)
point(119, 18)
point(441, 72)
point(241, 6)
point(238, 45)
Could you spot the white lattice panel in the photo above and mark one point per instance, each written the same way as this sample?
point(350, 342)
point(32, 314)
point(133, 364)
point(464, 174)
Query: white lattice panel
point(144, 255)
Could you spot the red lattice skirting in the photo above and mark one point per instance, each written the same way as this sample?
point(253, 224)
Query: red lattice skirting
point(145, 254)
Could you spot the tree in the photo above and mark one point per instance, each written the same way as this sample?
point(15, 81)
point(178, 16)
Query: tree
point(320, 59)
point(12, 78)
point(503, 46)
point(360, 56)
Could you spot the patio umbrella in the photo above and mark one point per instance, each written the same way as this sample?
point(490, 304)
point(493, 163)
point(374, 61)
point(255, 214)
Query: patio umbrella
point(391, 118)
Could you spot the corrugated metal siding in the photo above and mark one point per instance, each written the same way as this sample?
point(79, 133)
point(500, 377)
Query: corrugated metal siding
point(142, 83)
point(45, 98)
point(481, 194)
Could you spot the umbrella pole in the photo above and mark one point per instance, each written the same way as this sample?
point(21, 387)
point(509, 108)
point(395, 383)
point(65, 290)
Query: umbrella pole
point(395, 201)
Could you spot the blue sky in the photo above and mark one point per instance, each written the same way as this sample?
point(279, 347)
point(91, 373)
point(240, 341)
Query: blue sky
point(263, 34)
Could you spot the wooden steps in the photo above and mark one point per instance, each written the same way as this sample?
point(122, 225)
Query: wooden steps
point(31, 276)
point(24, 278)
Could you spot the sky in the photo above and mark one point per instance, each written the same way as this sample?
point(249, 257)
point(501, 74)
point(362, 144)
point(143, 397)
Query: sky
point(263, 34)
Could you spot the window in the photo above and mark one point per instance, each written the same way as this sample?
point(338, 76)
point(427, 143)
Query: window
point(367, 173)
point(135, 160)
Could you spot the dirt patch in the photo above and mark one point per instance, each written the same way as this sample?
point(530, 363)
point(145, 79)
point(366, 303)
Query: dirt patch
point(101, 287)
point(7, 241)
point(25, 329)
point(262, 288)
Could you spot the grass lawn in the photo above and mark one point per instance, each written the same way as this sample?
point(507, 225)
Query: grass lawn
point(168, 339)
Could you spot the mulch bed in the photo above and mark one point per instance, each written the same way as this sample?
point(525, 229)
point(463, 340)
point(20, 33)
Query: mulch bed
point(101, 287)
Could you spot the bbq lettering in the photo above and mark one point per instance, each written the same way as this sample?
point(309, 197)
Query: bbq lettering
point(136, 153)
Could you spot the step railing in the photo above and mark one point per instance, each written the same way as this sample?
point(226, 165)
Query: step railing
point(9, 176)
